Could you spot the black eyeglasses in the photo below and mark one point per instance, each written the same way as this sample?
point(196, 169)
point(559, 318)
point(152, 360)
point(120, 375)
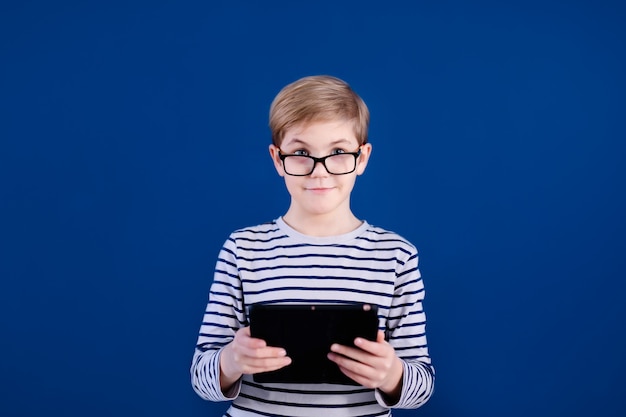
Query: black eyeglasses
point(335, 164)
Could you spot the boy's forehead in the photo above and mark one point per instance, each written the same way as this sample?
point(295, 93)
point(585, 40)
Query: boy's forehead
point(321, 132)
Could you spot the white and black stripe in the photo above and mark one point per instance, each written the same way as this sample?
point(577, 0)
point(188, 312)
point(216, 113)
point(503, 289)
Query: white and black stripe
point(272, 263)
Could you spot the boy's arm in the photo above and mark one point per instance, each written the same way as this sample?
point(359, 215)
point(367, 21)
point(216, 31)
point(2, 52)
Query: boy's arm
point(223, 316)
point(400, 368)
point(406, 332)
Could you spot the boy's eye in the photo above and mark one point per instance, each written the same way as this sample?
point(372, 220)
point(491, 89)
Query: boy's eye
point(300, 152)
point(338, 151)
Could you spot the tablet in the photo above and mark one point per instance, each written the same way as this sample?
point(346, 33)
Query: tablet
point(306, 333)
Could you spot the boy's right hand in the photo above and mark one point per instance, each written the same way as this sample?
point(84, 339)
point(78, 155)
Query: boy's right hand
point(248, 355)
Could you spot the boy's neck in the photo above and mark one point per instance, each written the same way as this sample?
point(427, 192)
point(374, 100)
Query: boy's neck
point(322, 225)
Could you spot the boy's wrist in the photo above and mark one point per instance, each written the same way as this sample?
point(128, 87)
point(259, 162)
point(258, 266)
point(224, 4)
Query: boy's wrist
point(227, 376)
point(392, 389)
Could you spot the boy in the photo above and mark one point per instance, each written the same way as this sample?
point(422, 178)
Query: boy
point(317, 252)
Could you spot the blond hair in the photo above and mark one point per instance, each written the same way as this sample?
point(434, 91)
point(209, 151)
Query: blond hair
point(317, 98)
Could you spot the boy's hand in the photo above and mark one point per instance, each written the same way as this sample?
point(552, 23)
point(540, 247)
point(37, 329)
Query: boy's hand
point(371, 364)
point(248, 355)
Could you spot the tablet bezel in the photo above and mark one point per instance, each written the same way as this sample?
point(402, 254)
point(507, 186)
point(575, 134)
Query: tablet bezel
point(306, 332)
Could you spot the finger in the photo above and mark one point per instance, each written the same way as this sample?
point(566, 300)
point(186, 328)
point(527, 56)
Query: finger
point(359, 372)
point(354, 354)
point(365, 350)
point(379, 348)
point(360, 362)
point(258, 360)
point(266, 365)
point(348, 362)
point(267, 352)
point(357, 378)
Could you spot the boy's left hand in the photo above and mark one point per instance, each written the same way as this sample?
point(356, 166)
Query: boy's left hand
point(371, 364)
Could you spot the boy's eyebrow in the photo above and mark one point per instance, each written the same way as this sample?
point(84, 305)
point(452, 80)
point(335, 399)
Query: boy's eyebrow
point(296, 141)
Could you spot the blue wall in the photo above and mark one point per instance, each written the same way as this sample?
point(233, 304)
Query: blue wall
point(134, 139)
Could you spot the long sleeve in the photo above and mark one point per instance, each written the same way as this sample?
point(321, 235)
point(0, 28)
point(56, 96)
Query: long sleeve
point(406, 331)
point(272, 263)
point(223, 316)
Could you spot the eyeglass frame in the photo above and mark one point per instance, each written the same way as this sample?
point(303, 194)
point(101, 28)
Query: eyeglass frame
point(321, 160)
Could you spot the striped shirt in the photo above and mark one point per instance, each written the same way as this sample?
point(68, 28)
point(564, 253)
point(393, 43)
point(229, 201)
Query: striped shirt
point(274, 263)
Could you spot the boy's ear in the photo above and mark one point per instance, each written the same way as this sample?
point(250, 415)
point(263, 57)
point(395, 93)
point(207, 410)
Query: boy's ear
point(366, 151)
point(278, 164)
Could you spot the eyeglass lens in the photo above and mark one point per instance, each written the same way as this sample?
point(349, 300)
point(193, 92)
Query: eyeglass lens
point(335, 164)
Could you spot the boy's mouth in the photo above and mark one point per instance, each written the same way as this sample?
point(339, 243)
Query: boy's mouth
point(319, 189)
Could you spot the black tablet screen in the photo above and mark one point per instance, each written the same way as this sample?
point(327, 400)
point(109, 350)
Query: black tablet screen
point(306, 333)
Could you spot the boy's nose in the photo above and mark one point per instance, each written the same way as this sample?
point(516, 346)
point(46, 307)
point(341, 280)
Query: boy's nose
point(319, 170)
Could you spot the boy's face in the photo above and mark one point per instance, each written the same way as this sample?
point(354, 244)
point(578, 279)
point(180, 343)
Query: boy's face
point(320, 193)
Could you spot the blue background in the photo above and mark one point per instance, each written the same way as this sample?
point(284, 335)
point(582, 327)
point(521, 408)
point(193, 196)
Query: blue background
point(134, 139)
